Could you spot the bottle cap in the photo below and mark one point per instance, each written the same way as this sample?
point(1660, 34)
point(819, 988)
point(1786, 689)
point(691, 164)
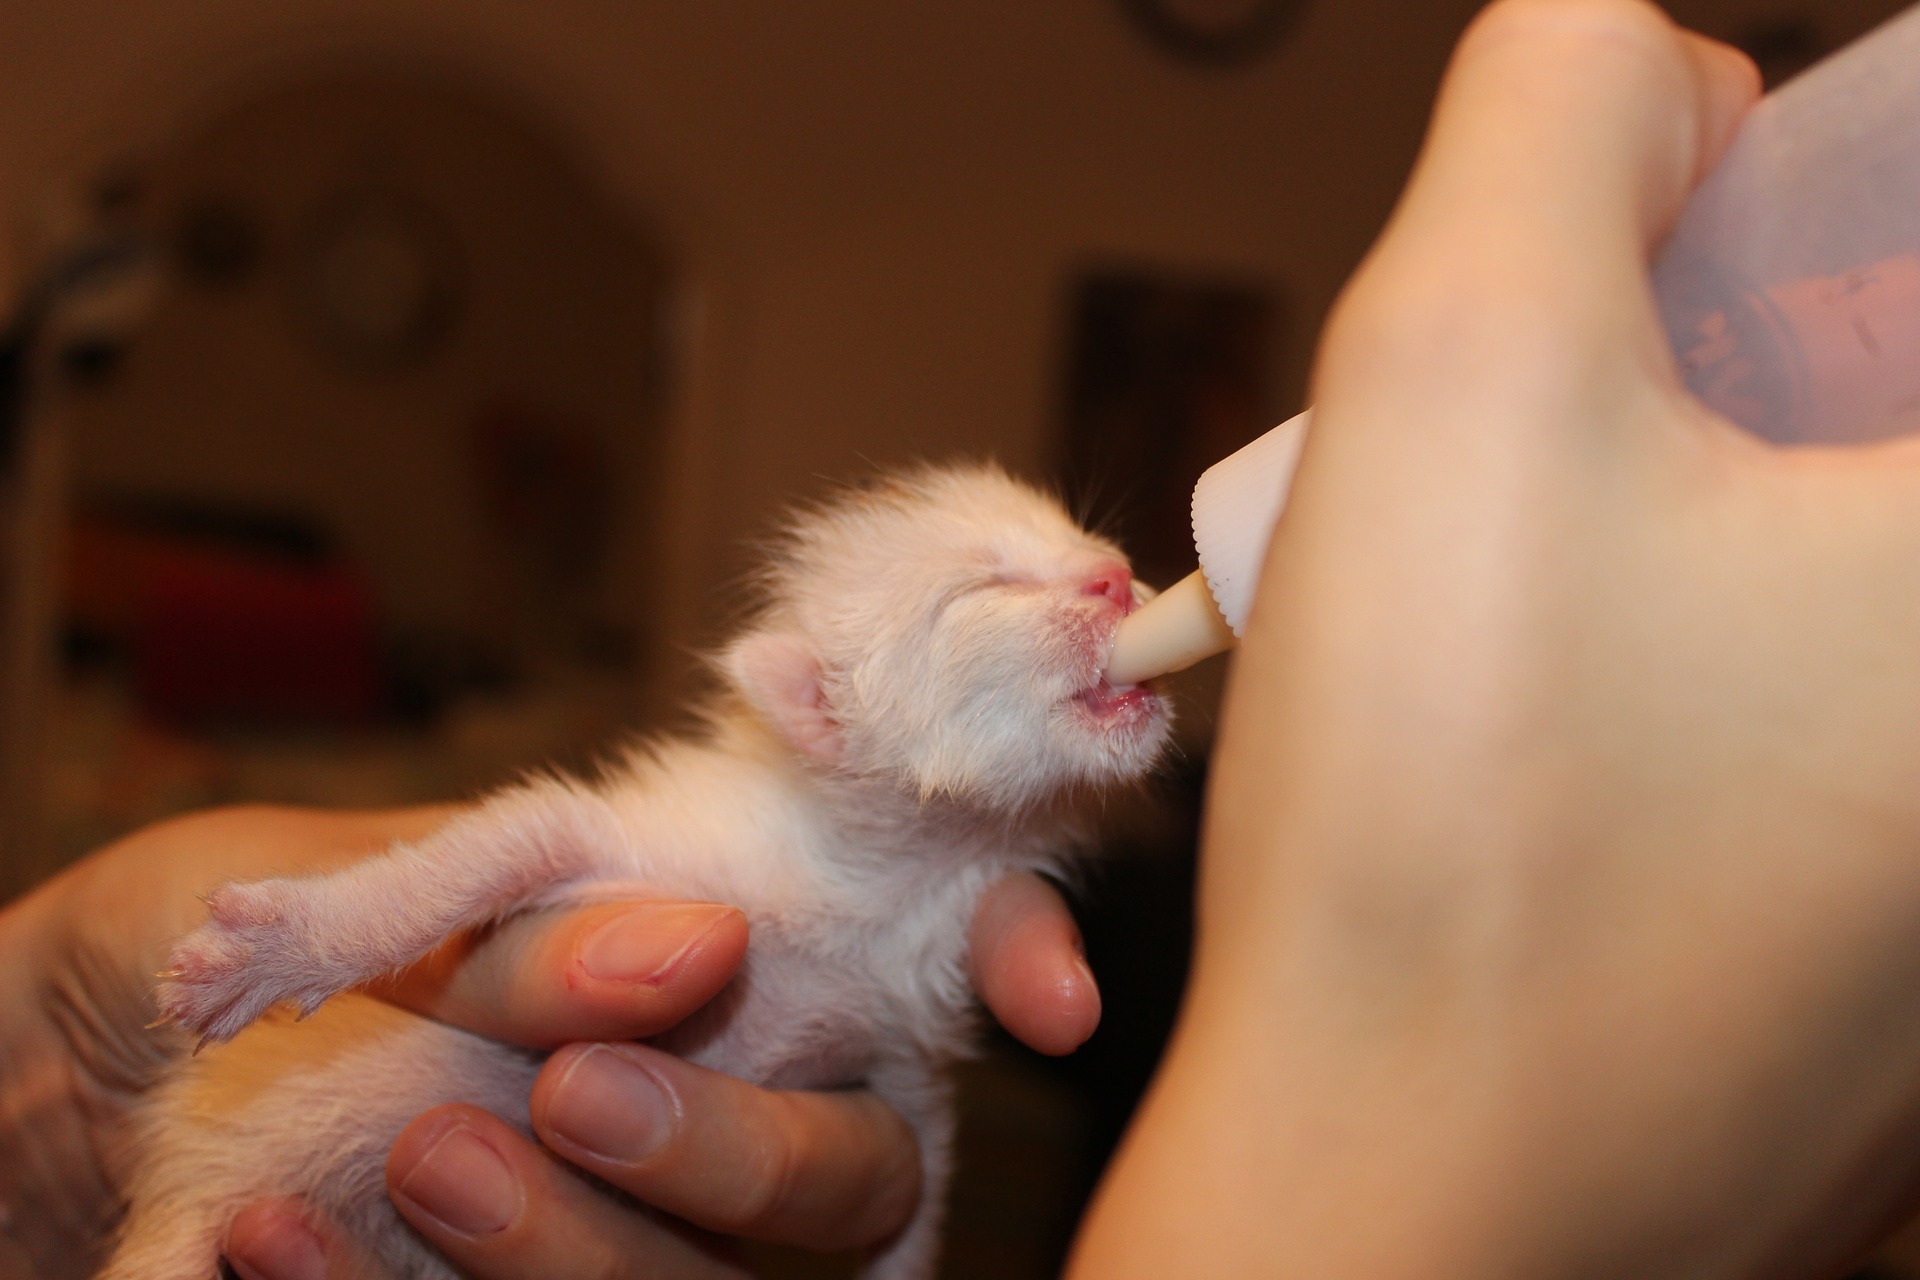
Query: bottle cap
point(1235, 507)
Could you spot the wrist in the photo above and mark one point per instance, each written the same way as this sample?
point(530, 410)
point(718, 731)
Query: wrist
point(53, 1201)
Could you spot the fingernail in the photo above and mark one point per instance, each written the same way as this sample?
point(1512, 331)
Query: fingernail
point(275, 1247)
point(464, 1183)
point(609, 1106)
point(1089, 983)
point(644, 944)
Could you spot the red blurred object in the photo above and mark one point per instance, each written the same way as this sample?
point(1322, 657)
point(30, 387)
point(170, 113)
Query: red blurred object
point(220, 635)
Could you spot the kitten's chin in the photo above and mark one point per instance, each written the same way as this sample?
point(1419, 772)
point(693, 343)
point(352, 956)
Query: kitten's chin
point(1129, 727)
point(1120, 707)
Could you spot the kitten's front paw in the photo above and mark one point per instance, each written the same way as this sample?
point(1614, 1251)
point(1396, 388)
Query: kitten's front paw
point(247, 958)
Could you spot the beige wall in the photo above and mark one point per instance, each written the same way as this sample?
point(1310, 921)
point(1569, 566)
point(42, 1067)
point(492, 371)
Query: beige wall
point(871, 207)
point(233, 392)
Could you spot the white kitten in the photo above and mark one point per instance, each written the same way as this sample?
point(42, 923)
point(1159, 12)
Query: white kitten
point(915, 712)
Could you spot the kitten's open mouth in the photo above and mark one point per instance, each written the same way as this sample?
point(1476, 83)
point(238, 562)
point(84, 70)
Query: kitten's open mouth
point(1119, 705)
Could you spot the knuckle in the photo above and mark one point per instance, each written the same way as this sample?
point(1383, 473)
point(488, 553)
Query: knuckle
point(786, 1193)
point(767, 1192)
point(607, 1263)
point(1469, 326)
point(1391, 315)
point(1435, 322)
point(897, 1191)
point(889, 1185)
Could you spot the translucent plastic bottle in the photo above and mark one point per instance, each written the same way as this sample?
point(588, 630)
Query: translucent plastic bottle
point(1790, 291)
point(1790, 287)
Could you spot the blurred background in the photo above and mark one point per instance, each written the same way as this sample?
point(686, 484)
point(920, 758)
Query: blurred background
point(390, 390)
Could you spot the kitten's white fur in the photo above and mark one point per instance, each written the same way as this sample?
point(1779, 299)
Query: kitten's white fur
point(915, 712)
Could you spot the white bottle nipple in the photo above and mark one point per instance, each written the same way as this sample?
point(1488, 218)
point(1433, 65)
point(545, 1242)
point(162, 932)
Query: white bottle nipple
point(1170, 632)
point(1235, 506)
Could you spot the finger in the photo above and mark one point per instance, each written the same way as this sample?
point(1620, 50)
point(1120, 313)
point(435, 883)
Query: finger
point(611, 971)
point(815, 1170)
point(1727, 83)
point(502, 1209)
point(1567, 135)
point(1029, 968)
point(279, 1240)
point(1572, 117)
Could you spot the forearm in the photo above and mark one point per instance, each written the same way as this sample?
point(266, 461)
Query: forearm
point(1288, 1136)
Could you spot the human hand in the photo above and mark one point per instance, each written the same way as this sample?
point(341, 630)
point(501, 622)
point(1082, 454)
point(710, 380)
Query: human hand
point(77, 959)
point(1560, 910)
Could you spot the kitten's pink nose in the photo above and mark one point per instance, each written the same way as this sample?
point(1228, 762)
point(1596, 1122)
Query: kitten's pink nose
point(1115, 582)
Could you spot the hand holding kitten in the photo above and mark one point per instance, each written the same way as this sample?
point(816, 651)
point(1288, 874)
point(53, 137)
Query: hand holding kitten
point(75, 994)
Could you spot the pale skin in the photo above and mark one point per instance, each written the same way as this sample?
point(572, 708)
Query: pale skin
point(822, 1171)
point(1560, 911)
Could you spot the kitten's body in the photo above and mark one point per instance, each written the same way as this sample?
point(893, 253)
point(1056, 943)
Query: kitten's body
point(909, 720)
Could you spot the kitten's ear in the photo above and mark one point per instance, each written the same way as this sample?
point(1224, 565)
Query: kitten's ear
point(780, 676)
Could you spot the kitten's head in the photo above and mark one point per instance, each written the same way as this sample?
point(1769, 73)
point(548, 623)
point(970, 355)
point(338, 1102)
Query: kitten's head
point(948, 628)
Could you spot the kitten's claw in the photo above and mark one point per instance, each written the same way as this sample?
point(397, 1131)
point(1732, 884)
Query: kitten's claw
point(248, 957)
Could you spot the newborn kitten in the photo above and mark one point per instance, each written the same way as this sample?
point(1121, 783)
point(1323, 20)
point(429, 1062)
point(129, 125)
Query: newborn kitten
point(917, 710)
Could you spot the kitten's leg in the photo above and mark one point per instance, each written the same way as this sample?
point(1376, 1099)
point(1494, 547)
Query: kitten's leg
point(171, 1242)
point(925, 1098)
point(307, 1111)
point(306, 939)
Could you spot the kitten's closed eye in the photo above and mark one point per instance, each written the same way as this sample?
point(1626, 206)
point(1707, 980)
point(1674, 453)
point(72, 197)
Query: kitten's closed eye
point(1012, 582)
point(999, 581)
